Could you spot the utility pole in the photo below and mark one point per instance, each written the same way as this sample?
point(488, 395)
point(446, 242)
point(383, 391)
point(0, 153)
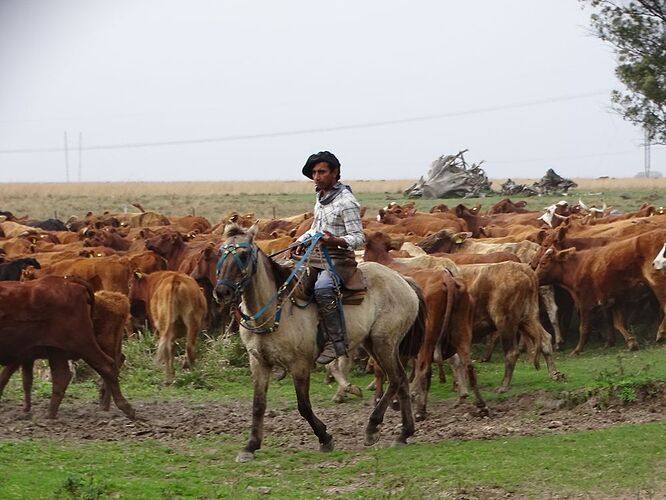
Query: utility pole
point(80, 143)
point(66, 158)
point(646, 152)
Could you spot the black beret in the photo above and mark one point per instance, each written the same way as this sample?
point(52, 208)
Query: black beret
point(322, 156)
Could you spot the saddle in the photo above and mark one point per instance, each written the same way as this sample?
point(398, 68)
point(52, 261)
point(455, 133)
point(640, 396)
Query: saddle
point(353, 290)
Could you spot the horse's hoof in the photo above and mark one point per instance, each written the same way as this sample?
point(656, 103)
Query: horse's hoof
point(244, 456)
point(354, 390)
point(559, 377)
point(339, 398)
point(372, 438)
point(395, 405)
point(501, 389)
point(420, 416)
point(328, 447)
point(633, 346)
point(484, 411)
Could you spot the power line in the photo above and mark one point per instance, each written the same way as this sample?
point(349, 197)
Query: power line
point(267, 135)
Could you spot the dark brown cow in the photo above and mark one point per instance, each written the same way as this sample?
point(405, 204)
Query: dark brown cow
point(605, 278)
point(176, 308)
point(53, 316)
point(448, 322)
point(506, 206)
point(109, 316)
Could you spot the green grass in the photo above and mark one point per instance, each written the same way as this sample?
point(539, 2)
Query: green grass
point(220, 374)
point(608, 462)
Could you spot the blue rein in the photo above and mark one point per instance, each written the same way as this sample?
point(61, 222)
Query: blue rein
point(237, 287)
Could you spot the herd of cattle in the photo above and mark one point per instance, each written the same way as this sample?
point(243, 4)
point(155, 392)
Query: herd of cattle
point(75, 290)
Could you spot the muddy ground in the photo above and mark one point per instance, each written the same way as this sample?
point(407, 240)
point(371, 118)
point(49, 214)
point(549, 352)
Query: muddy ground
point(528, 415)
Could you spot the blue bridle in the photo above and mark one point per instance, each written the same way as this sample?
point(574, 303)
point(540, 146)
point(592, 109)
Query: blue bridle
point(232, 249)
point(238, 286)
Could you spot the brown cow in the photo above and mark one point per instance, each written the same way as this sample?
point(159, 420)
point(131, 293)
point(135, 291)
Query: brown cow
point(105, 273)
point(446, 241)
point(109, 316)
point(176, 308)
point(505, 297)
point(53, 316)
point(607, 277)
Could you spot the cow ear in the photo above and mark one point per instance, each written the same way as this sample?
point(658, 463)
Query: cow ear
point(541, 235)
point(252, 232)
point(565, 254)
point(458, 238)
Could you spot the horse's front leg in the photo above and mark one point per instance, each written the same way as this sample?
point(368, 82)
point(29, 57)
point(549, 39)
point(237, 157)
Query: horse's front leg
point(301, 378)
point(260, 377)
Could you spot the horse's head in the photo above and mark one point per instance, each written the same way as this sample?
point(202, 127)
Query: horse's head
point(237, 262)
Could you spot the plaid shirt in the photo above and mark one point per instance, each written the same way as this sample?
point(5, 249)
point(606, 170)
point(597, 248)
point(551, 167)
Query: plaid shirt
point(341, 217)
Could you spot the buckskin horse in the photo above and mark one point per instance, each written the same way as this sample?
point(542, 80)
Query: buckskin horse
point(390, 311)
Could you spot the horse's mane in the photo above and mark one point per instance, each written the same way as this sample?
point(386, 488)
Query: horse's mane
point(233, 229)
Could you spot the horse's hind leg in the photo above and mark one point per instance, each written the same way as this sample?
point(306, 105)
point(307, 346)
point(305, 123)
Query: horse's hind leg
point(260, 377)
point(398, 383)
point(301, 379)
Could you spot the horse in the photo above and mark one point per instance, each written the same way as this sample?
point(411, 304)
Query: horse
point(390, 311)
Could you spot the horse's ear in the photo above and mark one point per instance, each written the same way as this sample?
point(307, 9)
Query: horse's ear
point(252, 232)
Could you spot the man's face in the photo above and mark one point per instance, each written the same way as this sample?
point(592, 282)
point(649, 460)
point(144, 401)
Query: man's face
point(324, 176)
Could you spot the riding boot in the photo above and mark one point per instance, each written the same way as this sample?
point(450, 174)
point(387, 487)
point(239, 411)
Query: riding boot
point(336, 345)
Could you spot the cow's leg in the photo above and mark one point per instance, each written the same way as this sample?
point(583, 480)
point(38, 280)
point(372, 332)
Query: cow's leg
point(6, 374)
point(378, 382)
point(509, 344)
point(301, 377)
point(60, 378)
point(339, 371)
point(422, 377)
point(27, 379)
point(619, 324)
point(547, 294)
point(191, 348)
point(106, 368)
point(543, 344)
point(583, 329)
point(261, 375)
point(437, 359)
point(165, 355)
point(491, 342)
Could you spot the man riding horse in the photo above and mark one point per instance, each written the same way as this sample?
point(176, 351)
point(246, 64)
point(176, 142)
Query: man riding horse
point(337, 216)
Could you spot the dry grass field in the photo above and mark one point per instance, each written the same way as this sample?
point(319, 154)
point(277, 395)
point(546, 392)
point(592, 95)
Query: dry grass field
point(276, 198)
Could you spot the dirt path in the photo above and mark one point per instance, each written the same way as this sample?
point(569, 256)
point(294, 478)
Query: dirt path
point(530, 415)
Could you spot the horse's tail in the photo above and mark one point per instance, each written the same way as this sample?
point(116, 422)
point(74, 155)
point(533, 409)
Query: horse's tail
point(411, 342)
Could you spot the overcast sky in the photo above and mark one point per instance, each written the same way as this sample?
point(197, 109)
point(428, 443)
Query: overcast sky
point(387, 85)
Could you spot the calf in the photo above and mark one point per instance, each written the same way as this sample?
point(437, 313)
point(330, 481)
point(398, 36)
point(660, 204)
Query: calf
point(505, 299)
point(52, 317)
point(176, 307)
